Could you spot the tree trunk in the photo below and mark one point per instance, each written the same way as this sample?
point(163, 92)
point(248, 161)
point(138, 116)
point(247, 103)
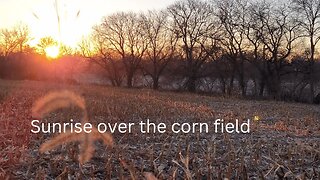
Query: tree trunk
point(261, 86)
point(191, 84)
point(223, 86)
point(231, 85)
point(243, 91)
point(243, 86)
point(129, 79)
point(118, 81)
point(274, 87)
point(155, 83)
point(112, 82)
point(312, 89)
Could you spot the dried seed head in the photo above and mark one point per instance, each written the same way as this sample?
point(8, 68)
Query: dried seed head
point(55, 101)
point(65, 99)
point(59, 140)
point(87, 150)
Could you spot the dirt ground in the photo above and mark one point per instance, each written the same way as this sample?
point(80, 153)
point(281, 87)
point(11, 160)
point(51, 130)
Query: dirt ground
point(283, 143)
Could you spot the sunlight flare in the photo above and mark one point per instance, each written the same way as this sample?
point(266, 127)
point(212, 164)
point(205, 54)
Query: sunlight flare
point(52, 52)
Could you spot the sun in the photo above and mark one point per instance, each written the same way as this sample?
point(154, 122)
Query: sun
point(52, 52)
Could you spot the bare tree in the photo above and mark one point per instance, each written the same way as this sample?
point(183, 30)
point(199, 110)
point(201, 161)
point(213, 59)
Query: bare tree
point(14, 39)
point(194, 25)
point(44, 43)
point(233, 17)
point(123, 32)
point(23, 37)
point(99, 53)
point(276, 30)
point(309, 12)
point(66, 50)
point(162, 45)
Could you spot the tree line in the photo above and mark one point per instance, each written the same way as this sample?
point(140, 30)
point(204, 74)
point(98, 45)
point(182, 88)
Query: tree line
point(254, 48)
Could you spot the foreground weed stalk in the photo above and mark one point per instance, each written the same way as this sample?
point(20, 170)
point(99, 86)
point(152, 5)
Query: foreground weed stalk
point(65, 99)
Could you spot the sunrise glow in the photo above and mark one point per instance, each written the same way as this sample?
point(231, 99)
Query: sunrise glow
point(76, 17)
point(52, 52)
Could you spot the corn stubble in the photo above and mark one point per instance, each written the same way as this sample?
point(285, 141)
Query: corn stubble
point(284, 143)
point(65, 99)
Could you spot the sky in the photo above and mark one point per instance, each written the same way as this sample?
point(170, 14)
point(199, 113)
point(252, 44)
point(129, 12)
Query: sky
point(41, 16)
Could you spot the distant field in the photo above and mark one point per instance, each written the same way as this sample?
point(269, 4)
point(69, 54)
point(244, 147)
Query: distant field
point(283, 143)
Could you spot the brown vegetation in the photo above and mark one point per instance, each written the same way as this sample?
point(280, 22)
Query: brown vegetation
point(283, 143)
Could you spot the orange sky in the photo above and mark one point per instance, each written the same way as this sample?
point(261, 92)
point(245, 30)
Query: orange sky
point(40, 15)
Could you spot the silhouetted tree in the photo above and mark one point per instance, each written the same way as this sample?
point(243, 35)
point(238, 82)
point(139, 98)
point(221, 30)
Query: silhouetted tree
point(44, 43)
point(194, 25)
point(161, 45)
point(233, 16)
point(309, 13)
point(66, 50)
point(277, 30)
point(99, 53)
point(14, 39)
point(123, 33)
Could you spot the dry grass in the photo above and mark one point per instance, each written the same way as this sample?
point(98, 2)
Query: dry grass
point(64, 99)
point(284, 142)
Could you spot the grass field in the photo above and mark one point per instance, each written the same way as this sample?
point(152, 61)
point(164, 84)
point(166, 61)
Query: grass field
point(283, 143)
